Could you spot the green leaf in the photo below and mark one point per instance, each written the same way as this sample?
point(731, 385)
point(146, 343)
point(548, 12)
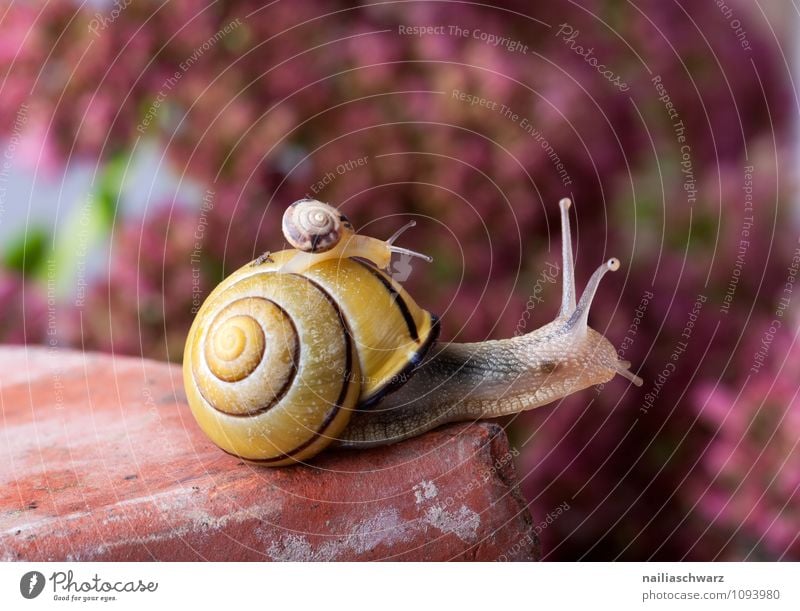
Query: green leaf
point(27, 252)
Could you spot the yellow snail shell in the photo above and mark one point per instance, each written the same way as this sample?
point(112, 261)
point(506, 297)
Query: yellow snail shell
point(275, 362)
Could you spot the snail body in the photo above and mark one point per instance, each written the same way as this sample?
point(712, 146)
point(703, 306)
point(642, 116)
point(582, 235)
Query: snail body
point(306, 348)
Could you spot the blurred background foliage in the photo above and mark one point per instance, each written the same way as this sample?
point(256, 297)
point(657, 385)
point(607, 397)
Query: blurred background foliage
point(152, 149)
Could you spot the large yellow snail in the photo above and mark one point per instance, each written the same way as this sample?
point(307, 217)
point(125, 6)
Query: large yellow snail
point(317, 345)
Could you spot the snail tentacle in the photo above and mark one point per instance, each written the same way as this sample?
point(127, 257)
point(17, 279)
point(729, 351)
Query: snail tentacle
point(568, 264)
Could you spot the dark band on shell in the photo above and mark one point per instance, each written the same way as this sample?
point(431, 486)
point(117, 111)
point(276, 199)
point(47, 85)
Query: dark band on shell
point(312, 226)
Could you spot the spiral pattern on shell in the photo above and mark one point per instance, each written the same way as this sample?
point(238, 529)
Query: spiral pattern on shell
point(312, 226)
point(270, 368)
point(276, 362)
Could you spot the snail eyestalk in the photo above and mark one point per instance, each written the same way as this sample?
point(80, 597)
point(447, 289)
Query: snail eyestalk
point(568, 273)
point(405, 251)
point(577, 315)
point(580, 317)
point(410, 253)
point(400, 232)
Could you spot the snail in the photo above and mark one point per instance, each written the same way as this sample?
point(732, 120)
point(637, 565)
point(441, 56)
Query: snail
point(316, 346)
point(319, 232)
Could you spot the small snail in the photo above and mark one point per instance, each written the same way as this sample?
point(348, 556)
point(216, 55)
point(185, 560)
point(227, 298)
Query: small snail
point(316, 345)
point(320, 232)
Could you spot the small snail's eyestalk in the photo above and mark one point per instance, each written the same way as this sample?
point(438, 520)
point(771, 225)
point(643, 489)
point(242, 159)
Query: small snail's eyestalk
point(321, 232)
point(401, 231)
point(405, 251)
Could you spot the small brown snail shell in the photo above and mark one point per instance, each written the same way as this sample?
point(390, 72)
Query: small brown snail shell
point(314, 227)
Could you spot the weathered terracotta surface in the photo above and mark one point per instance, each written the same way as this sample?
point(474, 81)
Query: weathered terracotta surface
point(101, 460)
